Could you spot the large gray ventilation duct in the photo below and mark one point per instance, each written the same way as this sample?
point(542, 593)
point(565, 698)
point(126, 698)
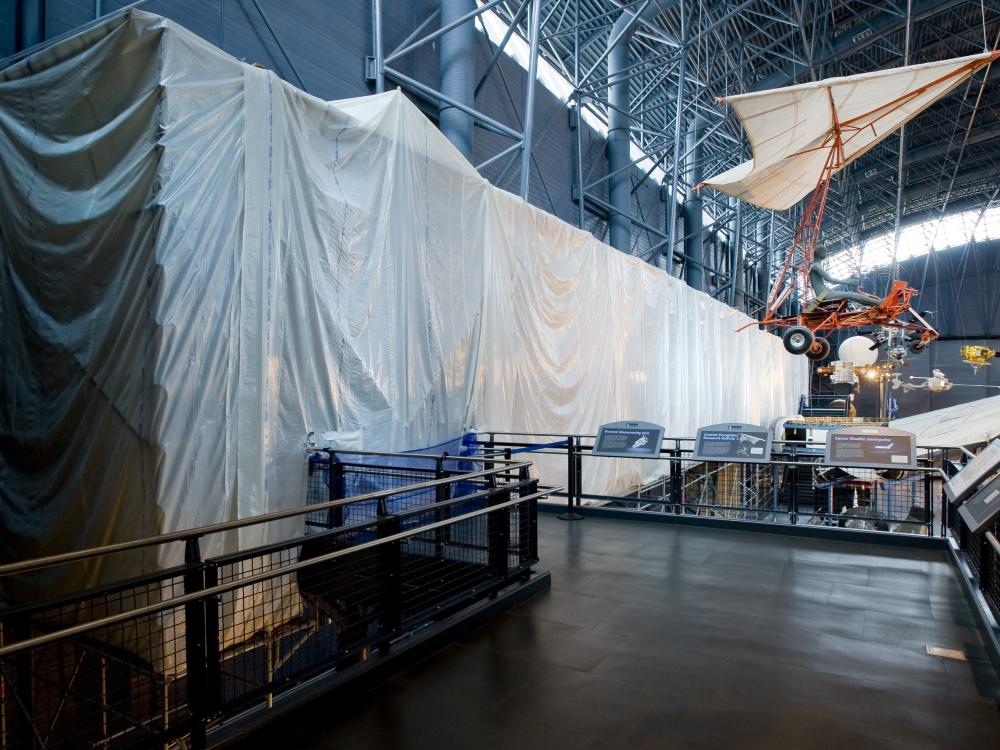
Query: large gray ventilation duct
point(737, 275)
point(694, 235)
point(619, 157)
point(457, 53)
point(29, 24)
point(764, 266)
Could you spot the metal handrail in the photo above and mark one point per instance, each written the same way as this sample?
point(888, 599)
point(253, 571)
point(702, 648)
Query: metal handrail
point(667, 439)
point(150, 609)
point(199, 531)
point(993, 542)
point(432, 456)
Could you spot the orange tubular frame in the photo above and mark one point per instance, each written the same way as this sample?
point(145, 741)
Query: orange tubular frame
point(833, 316)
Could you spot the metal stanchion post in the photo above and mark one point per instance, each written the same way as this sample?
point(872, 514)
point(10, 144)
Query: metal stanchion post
point(676, 486)
point(571, 477)
point(578, 478)
point(442, 494)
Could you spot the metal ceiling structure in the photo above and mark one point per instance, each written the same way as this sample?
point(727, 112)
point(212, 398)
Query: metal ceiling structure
point(682, 54)
point(652, 70)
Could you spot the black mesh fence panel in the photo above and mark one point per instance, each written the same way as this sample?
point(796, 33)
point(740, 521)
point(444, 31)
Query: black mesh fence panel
point(367, 573)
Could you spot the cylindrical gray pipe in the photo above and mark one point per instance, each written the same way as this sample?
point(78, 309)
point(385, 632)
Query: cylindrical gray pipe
point(694, 236)
point(619, 181)
point(764, 265)
point(29, 27)
point(738, 289)
point(619, 184)
point(457, 52)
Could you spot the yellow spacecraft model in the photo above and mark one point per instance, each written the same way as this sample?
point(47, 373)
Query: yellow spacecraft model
point(976, 355)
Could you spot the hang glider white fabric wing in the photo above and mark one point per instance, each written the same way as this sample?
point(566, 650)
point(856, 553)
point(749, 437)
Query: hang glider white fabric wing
point(792, 130)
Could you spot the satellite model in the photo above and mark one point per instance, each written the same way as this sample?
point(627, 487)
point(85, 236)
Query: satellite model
point(801, 137)
point(938, 382)
point(977, 356)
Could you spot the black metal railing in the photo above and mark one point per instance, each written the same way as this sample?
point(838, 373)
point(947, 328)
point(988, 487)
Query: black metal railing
point(981, 552)
point(172, 654)
point(795, 487)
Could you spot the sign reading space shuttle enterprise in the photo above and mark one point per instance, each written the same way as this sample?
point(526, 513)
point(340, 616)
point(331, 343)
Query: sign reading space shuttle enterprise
point(733, 443)
point(871, 447)
point(628, 440)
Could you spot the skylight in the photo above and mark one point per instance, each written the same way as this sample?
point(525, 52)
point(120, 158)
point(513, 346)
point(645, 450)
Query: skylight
point(954, 230)
point(517, 48)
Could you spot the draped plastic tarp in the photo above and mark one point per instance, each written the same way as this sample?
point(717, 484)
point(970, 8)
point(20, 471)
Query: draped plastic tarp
point(200, 265)
point(790, 129)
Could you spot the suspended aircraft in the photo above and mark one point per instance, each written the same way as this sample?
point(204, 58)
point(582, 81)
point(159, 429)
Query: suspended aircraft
point(801, 136)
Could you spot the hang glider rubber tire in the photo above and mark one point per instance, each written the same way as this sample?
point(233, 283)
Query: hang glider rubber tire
point(819, 350)
point(798, 340)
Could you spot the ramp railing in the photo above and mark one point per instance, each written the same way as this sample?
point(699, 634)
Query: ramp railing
point(794, 487)
point(981, 552)
point(170, 654)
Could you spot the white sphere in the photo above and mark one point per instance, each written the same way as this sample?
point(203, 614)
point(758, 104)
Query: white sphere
point(858, 349)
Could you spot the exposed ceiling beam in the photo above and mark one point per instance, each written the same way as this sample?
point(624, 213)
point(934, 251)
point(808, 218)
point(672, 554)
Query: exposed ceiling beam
point(857, 39)
point(924, 190)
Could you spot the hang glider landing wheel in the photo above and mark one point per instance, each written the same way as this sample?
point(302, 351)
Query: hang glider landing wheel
point(798, 340)
point(917, 346)
point(820, 349)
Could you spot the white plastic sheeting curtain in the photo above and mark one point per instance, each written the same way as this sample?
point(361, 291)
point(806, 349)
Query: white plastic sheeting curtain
point(578, 335)
point(200, 264)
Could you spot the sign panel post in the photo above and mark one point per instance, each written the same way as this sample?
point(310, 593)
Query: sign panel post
point(628, 440)
point(871, 448)
point(733, 442)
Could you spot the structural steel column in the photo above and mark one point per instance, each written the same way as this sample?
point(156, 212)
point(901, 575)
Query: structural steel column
point(30, 20)
point(579, 116)
point(678, 117)
point(457, 51)
point(534, 26)
point(379, 52)
point(619, 117)
point(737, 277)
point(694, 236)
point(764, 265)
point(619, 182)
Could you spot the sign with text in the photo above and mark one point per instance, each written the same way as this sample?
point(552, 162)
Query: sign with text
point(977, 470)
point(871, 447)
point(628, 440)
point(734, 442)
point(980, 509)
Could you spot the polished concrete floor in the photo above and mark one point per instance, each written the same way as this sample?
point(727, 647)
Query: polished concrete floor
point(657, 636)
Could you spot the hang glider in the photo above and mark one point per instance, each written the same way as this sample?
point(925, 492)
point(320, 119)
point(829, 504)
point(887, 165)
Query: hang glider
point(803, 135)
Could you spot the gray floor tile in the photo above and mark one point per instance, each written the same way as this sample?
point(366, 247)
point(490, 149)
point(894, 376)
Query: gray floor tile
point(660, 636)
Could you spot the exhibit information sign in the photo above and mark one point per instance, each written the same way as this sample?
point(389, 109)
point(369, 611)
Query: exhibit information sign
point(628, 440)
point(980, 509)
point(985, 463)
point(737, 443)
point(871, 447)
